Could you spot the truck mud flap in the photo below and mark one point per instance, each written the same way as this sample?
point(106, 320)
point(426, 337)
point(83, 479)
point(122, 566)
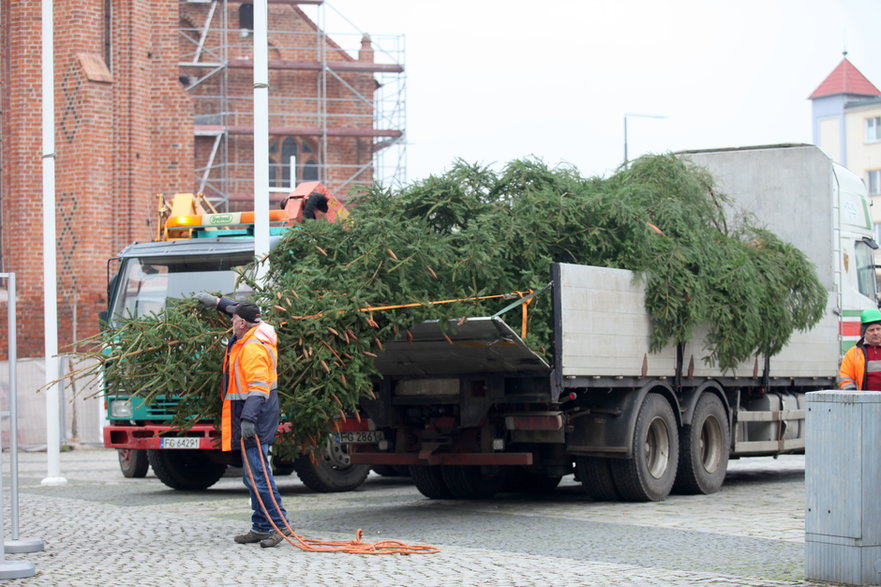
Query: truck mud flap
point(605, 426)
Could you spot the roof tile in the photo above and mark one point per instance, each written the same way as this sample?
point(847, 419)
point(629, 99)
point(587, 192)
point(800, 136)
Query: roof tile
point(845, 79)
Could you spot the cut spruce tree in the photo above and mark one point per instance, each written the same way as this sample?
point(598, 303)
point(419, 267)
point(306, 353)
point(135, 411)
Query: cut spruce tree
point(468, 233)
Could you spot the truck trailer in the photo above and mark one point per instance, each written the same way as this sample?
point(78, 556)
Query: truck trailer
point(473, 411)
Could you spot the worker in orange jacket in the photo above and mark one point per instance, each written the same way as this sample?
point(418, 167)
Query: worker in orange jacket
point(250, 411)
point(861, 365)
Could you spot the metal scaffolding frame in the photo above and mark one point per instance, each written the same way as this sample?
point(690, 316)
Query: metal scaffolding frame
point(341, 110)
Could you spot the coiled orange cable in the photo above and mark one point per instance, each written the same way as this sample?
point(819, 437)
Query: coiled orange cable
point(355, 546)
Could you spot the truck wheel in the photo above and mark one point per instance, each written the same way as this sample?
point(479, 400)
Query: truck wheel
point(471, 482)
point(430, 482)
point(188, 470)
point(281, 467)
point(595, 474)
point(703, 448)
point(133, 463)
point(650, 474)
point(332, 470)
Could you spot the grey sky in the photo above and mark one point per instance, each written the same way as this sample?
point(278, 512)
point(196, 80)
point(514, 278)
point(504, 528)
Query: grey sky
point(493, 80)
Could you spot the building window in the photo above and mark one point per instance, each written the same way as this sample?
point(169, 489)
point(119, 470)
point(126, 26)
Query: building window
point(246, 19)
point(874, 182)
point(287, 153)
point(873, 129)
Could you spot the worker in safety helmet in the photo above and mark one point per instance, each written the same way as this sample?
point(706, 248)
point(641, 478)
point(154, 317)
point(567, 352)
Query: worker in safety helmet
point(861, 365)
point(251, 412)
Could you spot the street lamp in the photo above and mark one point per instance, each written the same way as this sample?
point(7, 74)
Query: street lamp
point(626, 116)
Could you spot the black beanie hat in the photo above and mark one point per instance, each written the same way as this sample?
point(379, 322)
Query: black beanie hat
point(248, 312)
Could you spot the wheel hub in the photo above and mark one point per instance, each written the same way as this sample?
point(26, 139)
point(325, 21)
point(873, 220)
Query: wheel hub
point(657, 448)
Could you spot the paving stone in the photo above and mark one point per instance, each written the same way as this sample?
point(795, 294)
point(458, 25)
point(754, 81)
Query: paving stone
point(102, 528)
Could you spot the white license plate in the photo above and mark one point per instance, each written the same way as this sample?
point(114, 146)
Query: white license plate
point(187, 442)
point(361, 437)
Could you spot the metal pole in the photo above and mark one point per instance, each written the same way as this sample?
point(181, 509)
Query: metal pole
point(261, 135)
point(15, 544)
point(12, 355)
point(50, 277)
point(12, 569)
point(625, 141)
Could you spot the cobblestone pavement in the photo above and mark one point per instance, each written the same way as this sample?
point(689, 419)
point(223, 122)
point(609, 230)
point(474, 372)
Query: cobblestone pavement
point(104, 529)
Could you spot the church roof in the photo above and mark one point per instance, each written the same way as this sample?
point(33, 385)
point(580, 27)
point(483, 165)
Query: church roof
point(845, 79)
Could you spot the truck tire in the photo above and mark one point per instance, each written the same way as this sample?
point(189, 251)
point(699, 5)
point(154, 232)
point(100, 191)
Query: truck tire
point(332, 470)
point(650, 474)
point(430, 481)
point(703, 448)
point(187, 470)
point(133, 463)
point(595, 474)
point(280, 467)
point(471, 482)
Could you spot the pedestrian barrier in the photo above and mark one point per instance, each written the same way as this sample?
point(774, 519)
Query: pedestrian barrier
point(355, 546)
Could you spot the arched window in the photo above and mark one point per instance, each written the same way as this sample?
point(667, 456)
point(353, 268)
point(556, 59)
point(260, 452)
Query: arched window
point(287, 151)
point(246, 17)
point(309, 169)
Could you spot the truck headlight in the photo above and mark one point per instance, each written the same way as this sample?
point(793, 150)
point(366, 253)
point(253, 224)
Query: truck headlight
point(121, 408)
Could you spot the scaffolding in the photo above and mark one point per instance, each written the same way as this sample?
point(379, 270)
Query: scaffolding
point(337, 102)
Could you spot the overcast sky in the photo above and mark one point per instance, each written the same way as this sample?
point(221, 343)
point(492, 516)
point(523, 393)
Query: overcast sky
point(494, 80)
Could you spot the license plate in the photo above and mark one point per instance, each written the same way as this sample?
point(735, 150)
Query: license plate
point(186, 442)
point(361, 437)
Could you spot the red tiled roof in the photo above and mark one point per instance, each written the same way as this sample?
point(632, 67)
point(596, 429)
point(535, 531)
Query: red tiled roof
point(845, 79)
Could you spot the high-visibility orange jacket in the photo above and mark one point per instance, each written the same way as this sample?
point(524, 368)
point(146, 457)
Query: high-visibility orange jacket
point(250, 376)
point(852, 372)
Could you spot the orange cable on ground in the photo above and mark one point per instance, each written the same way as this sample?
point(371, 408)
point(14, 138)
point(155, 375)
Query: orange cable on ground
point(355, 546)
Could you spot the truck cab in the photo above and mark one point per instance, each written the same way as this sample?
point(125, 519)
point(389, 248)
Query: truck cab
point(199, 252)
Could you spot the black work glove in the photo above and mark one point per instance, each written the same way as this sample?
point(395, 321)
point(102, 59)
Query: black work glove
point(249, 429)
point(207, 300)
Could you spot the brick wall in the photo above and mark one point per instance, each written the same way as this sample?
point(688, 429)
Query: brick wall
point(123, 133)
point(20, 176)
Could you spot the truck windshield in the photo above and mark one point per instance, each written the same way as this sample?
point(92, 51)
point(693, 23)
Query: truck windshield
point(144, 284)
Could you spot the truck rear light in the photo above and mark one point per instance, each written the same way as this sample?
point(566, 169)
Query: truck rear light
point(498, 444)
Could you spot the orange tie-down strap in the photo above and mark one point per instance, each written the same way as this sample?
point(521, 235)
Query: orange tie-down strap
point(525, 300)
point(355, 546)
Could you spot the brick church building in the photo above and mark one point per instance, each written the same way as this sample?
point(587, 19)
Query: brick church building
point(155, 96)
